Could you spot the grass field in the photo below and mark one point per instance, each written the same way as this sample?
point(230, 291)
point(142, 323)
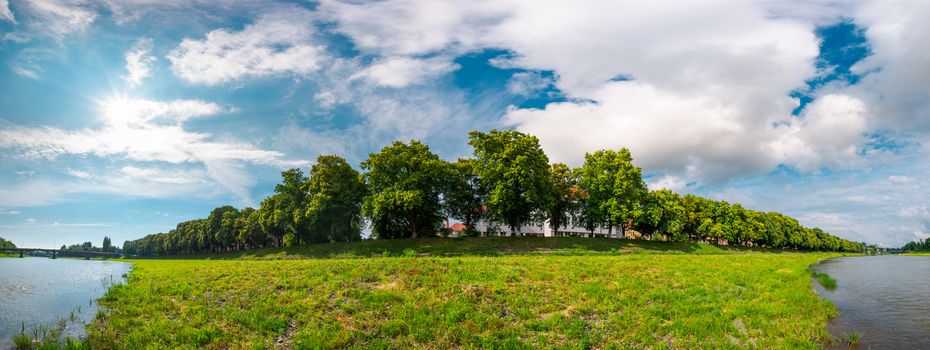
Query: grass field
point(587, 296)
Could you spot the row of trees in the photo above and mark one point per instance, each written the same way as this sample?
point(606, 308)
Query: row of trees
point(405, 190)
point(917, 246)
point(106, 247)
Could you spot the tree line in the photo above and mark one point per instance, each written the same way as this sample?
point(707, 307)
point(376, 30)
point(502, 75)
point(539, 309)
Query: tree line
point(407, 191)
point(6, 244)
point(107, 247)
point(917, 246)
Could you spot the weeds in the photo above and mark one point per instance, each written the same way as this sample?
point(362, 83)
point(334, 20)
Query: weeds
point(852, 338)
point(825, 280)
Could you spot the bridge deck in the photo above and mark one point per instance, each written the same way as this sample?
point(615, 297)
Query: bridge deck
point(55, 252)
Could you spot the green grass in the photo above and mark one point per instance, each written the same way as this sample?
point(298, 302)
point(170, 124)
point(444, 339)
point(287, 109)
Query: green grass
point(580, 294)
point(825, 280)
point(478, 246)
point(918, 253)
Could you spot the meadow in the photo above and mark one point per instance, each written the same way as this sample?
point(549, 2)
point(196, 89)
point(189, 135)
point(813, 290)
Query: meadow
point(543, 295)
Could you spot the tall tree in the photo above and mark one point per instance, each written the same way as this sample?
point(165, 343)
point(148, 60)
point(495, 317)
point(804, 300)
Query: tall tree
point(464, 197)
point(515, 171)
point(565, 195)
point(334, 201)
point(614, 187)
point(107, 244)
point(405, 182)
point(290, 198)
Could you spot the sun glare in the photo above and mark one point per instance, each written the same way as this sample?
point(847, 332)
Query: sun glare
point(119, 110)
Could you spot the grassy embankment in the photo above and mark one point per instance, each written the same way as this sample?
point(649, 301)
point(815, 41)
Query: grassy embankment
point(588, 294)
point(918, 253)
point(492, 246)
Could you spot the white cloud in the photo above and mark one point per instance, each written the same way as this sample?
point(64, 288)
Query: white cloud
point(28, 62)
point(31, 221)
point(669, 182)
point(139, 62)
point(398, 72)
point(8, 212)
point(277, 43)
point(528, 83)
point(58, 18)
point(711, 142)
point(147, 131)
point(828, 133)
point(79, 174)
point(5, 12)
point(898, 70)
point(707, 89)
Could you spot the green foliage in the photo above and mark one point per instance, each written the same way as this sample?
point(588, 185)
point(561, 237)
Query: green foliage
point(6, 244)
point(615, 190)
point(407, 191)
point(464, 196)
point(917, 246)
point(515, 171)
point(405, 183)
point(334, 200)
point(566, 197)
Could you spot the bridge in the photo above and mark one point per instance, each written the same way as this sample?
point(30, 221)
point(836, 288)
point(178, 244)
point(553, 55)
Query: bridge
point(56, 252)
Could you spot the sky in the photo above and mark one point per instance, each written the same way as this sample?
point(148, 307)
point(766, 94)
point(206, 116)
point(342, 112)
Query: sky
point(124, 117)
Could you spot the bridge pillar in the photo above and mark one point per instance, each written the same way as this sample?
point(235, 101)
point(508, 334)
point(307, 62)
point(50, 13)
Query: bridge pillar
point(20, 253)
point(54, 255)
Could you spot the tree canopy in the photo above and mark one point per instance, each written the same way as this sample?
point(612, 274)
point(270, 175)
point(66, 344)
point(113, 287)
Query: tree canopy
point(515, 171)
point(407, 191)
point(405, 183)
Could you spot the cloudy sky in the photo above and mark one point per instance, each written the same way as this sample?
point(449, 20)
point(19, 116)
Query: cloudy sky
point(122, 118)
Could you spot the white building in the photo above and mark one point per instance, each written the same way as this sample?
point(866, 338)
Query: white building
point(544, 230)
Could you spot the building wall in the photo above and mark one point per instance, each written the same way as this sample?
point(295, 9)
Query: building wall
point(544, 230)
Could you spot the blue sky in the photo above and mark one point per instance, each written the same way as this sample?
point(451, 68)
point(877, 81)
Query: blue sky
point(123, 118)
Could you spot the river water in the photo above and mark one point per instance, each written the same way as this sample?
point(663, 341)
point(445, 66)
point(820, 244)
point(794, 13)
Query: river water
point(41, 291)
point(884, 298)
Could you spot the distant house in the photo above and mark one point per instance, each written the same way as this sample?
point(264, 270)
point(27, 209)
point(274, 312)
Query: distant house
point(543, 230)
point(458, 229)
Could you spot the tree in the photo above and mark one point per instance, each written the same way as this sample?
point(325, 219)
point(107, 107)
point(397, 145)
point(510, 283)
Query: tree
point(566, 197)
point(464, 196)
point(6, 244)
point(405, 182)
point(334, 200)
point(107, 244)
point(219, 230)
point(290, 196)
point(614, 187)
point(273, 219)
point(663, 213)
point(515, 171)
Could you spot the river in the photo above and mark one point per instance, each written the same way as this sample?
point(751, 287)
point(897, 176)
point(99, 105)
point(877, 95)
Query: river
point(41, 291)
point(884, 298)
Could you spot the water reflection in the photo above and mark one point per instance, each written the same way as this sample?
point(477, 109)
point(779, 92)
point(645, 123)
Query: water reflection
point(41, 291)
point(884, 298)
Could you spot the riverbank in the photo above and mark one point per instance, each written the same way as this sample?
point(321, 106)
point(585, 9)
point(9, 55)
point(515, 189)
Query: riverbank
point(550, 293)
point(920, 253)
point(479, 246)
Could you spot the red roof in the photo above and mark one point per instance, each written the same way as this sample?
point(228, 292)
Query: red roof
point(457, 227)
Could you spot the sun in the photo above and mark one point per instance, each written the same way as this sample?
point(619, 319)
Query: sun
point(119, 110)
